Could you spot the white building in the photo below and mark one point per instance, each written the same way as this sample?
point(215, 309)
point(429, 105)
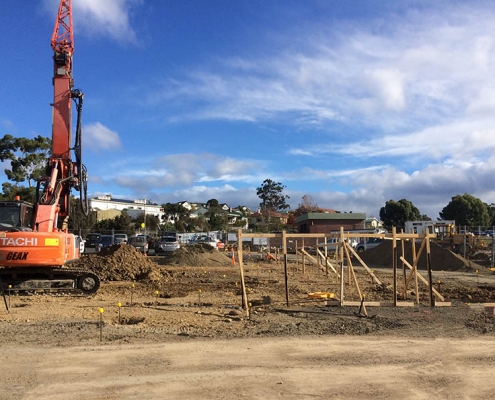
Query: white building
point(132, 207)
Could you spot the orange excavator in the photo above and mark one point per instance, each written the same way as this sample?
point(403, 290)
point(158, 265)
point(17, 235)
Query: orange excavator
point(36, 248)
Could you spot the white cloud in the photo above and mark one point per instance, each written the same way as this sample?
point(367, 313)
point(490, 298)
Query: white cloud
point(425, 68)
point(98, 137)
point(101, 17)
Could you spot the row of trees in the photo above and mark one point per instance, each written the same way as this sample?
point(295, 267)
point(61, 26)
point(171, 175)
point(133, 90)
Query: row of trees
point(465, 210)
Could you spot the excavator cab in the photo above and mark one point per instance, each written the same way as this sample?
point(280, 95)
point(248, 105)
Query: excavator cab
point(16, 216)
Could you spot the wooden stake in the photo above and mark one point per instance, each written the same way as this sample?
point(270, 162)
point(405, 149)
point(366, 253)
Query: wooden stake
point(241, 270)
point(394, 263)
point(415, 265)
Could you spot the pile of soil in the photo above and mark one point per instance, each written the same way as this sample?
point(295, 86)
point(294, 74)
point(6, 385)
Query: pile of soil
point(121, 263)
point(197, 255)
point(441, 259)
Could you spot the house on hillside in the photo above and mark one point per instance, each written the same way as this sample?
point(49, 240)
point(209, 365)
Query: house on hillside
point(260, 218)
point(373, 223)
point(132, 207)
point(329, 222)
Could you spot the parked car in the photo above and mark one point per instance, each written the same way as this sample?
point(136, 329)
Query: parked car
point(140, 243)
point(120, 238)
point(167, 244)
point(205, 239)
point(369, 244)
point(332, 244)
point(149, 239)
point(106, 240)
point(92, 243)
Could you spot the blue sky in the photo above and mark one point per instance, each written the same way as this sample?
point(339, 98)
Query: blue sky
point(351, 102)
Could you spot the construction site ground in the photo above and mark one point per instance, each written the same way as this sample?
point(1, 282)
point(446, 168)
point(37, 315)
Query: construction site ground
point(174, 327)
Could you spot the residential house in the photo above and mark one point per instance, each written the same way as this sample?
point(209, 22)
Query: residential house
point(132, 207)
point(329, 222)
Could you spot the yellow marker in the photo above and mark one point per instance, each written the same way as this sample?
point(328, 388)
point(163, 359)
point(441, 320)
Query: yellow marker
point(156, 292)
point(101, 310)
point(119, 304)
point(10, 286)
point(199, 290)
point(224, 275)
point(132, 286)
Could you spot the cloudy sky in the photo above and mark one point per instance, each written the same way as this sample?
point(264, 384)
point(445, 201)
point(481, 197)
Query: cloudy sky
point(352, 102)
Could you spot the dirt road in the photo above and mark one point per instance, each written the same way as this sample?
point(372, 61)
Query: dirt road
point(264, 368)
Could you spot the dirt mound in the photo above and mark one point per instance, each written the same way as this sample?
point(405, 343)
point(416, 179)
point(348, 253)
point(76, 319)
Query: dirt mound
point(120, 263)
point(441, 259)
point(197, 255)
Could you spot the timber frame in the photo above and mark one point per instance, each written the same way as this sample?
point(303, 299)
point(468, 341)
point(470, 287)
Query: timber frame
point(343, 267)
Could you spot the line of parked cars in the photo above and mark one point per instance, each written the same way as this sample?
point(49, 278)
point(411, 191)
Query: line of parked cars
point(95, 242)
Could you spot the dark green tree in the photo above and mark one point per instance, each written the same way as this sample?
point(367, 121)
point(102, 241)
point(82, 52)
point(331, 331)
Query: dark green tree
point(212, 203)
point(396, 213)
point(9, 191)
point(120, 224)
point(466, 210)
point(27, 157)
point(217, 219)
point(78, 222)
point(151, 223)
point(272, 196)
point(176, 213)
point(491, 212)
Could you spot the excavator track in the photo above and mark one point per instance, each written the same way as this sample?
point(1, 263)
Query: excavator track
point(49, 279)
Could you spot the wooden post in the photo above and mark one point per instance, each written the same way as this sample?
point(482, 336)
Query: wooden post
point(241, 270)
point(302, 261)
point(404, 276)
point(297, 257)
point(428, 267)
point(416, 287)
point(394, 263)
point(341, 261)
point(351, 271)
point(286, 273)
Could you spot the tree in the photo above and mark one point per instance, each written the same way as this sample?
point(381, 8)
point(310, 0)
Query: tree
point(466, 210)
point(175, 212)
point(217, 220)
point(396, 213)
point(272, 197)
point(78, 222)
point(306, 205)
point(212, 203)
point(9, 191)
point(216, 216)
point(491, 212)
point(27, 157)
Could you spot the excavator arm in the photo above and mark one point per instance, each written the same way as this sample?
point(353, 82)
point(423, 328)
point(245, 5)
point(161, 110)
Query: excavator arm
point(62, 173)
